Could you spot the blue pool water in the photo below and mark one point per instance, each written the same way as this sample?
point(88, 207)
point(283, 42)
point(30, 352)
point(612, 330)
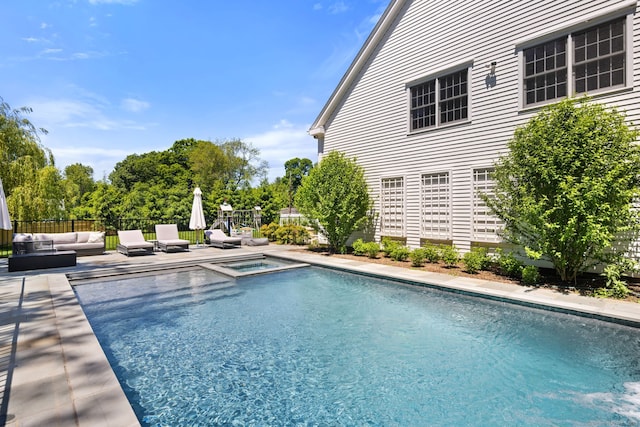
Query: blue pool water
point(247, 266)
point(319, 347)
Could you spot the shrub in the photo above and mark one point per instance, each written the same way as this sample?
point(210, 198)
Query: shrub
point(359, 247)
point(417, 257)
point(431, 253)
point(269, 231)
point(400, 253)
point(449, 255)
point(475, 260)
point(389, 245)
point(568, 184)
point(509, 265)
point(615, 286)
point(372, 249)
point(335, 194)
point(292, 234)
point(530, 275)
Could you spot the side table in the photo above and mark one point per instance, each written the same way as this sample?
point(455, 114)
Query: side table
point(40, 260)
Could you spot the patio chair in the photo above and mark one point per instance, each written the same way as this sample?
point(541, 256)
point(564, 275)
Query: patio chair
point(131, 242)
point(168, 238)
point(218, 239)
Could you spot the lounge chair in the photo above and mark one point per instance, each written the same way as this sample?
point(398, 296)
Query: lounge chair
point(169, 240)
point(218, 239)
point(131, 242)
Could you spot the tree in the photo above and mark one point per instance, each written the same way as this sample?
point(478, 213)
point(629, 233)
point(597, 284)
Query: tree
point(566, 188)
point(19, 146)
point(243, 163)
point(295, 170)
point(335, 196)
point(208, 164)
point(78, 181)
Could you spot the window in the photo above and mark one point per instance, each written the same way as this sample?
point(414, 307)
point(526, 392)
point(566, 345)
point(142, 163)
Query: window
point(485, 225)
point(449, 93)
point(392, 207)
point(435, 206)
point(598, 58)
point(453, 97)
point(545, 71)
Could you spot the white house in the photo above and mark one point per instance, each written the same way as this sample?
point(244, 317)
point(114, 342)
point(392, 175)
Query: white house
point(435, 93)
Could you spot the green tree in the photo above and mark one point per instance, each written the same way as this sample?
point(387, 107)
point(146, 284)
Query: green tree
point(78, 181)
point(243, 163)
point(566, 188)
point(31, 182)
point(208, 164)
point(335, 196)
point(295, 169)
point(19, 146)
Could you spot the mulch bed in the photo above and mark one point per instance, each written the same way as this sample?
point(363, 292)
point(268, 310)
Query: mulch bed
point(586, 283)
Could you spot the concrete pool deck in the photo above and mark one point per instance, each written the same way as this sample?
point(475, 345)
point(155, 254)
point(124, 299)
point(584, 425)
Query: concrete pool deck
point(53, 371)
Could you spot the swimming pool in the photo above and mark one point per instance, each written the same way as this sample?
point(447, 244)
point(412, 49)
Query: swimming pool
point(318, 347)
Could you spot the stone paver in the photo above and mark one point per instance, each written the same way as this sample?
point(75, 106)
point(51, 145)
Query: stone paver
point(53, 371)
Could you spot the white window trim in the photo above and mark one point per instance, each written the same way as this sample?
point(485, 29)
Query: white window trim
point(626, 8)
point(435, 75)
point(403, 231)
point(450, 212)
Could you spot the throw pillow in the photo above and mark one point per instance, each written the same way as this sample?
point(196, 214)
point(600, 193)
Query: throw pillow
point(96, 237)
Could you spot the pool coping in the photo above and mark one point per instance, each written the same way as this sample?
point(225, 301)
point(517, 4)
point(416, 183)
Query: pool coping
point(57, 372)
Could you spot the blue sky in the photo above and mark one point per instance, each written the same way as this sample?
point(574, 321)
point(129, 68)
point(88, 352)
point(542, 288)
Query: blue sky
point(109, 78)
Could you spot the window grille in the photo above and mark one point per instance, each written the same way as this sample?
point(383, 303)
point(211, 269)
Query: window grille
point(435, 206)
point(392, 207)
point(485, 225)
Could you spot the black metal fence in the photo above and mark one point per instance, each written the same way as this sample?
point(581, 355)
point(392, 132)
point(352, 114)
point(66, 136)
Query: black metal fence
point(110, 227)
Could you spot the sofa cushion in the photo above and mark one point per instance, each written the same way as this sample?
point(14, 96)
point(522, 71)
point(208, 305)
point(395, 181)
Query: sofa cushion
point(78, 246)
point(58, 238)
point(83, 236)
point(97, 237)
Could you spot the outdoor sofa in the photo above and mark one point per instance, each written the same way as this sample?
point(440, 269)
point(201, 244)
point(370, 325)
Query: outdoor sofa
point(82, 242)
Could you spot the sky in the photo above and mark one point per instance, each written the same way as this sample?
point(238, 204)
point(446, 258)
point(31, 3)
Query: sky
point(110, 78)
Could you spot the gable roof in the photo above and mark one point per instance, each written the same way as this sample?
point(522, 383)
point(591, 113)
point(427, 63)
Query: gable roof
point(390, 13)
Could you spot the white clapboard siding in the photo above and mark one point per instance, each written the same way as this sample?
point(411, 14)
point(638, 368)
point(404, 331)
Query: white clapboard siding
point(370, 119)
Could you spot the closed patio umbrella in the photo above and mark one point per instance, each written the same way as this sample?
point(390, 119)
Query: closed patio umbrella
point(197, 221)
point(5, 221)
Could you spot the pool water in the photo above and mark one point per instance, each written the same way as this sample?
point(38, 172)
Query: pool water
point(319, 347)
point(245, 266)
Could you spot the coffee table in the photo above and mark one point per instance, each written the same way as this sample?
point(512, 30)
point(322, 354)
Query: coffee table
point(40, 260)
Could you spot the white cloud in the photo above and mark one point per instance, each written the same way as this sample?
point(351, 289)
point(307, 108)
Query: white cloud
point(338, 7)
point(282, 142)
point(124, 2)
point(133, 105)
point(44, 26)
point(79, 113)
point(347, 47)
point(317, 6)
point(50, 51)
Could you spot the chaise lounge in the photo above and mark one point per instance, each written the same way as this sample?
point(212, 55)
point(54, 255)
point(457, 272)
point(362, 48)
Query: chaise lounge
point(169, 239)
point(131, 242)
point(218, 239)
